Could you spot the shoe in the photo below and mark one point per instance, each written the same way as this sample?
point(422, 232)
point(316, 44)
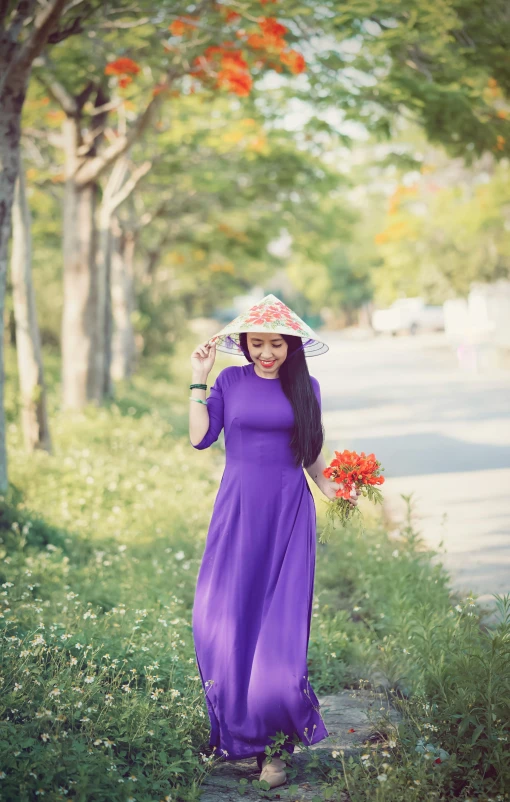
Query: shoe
point(274, 772)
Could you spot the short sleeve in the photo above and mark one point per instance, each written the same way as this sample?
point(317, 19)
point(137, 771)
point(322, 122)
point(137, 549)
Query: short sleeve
point(215, 407)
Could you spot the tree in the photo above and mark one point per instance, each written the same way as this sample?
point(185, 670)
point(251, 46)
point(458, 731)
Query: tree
point(25, 30)
point(443, 66)
point(446, 230)
point(34, 417)
point(96, 132)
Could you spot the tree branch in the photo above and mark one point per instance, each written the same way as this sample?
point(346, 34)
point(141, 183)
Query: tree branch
point(71, 30)
point(110, 106)
point(93, 168)
point(417, 62)
point(89, 140)
point(130, 185)
point(9, 46)
point(84, 95)
point(24, 9)
point(123, 24)
point(57, 91)
point(33, 133)
point(45, 23)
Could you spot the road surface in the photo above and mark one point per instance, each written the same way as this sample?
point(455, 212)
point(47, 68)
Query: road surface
point(441, 431)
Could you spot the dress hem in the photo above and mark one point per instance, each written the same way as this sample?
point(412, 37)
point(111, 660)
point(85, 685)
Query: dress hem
point(260, 751)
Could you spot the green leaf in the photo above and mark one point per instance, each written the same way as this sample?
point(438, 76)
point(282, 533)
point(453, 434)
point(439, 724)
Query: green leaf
point(477, 732)
point(464, 724)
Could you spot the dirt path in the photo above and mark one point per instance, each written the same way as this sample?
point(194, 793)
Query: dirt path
point(440, 432)
point(359, 710)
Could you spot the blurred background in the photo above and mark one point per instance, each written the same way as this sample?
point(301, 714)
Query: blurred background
point(176, 167)
point(164, 166)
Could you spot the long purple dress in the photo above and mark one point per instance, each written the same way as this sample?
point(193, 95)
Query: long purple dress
point(253, 599)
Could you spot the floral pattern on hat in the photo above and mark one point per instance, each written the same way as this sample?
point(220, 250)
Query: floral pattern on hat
point(269, 314)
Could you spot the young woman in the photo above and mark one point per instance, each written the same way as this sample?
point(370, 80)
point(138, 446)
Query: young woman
point(253, 599)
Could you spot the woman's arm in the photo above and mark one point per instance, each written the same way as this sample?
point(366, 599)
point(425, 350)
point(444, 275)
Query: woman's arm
point(315, 472)
point(205, 421)
point(317, 468)
point(328, 487)
point(198, 413)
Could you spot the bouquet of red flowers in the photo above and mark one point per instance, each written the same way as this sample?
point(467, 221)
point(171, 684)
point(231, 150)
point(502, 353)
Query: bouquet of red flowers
point(354, 472)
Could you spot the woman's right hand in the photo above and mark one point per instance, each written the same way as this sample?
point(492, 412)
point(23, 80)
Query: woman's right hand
point(202, 359)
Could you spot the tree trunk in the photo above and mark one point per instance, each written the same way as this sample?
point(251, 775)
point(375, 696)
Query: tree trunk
point(15, 67)
point(11, 103)
point(80, 359)
point(108, 389)
point(34, 417)
point(123, 302)
point(104, 310)
point(82, 346)
point(119, 188)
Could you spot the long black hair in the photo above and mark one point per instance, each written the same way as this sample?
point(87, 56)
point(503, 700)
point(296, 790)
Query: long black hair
point(308, 431)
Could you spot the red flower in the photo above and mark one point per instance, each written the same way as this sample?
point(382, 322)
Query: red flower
point(212, 50)
point(122, 66)
point(231, 68)
point(365, 466)
point(271, 27)
point(294, 61)
point(236, 81)
point(353, 470)
point(125, 81)
point(271, 36)
point(177, 27)
point(233, 61)
point(181, 26)
point(256, 41)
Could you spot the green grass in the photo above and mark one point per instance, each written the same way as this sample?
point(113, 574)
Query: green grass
point(393, 620)
point(101, 697)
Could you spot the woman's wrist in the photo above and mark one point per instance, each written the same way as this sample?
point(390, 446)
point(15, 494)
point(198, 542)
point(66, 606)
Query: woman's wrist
point(199, 378)
point(323, 483)
point(319, 480)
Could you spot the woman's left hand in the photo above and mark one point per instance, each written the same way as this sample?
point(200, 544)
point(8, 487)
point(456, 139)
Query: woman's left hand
point(330, 489)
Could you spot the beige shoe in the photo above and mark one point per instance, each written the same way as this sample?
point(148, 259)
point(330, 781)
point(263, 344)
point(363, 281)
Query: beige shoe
point(274, 772)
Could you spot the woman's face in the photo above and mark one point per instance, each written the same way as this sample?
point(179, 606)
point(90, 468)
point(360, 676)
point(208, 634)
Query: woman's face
point(268, 351)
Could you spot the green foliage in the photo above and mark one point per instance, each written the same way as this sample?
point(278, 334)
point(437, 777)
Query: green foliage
point(448, 674)
point(229, 174)
point(225, 186)
point(101, 695)
point(441, 65)
point(442, 234)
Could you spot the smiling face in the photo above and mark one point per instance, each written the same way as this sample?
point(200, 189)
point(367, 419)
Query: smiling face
point(268, 351)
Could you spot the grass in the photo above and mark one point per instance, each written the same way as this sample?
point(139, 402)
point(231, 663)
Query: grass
point(101, 697)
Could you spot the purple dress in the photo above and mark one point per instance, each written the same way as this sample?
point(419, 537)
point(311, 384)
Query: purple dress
point(253, 600)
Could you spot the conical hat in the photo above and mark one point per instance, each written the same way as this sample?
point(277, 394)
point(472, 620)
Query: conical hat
point(269, 314)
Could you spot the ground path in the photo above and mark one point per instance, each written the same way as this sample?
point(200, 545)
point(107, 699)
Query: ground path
point(360, 710)
point(441, 432)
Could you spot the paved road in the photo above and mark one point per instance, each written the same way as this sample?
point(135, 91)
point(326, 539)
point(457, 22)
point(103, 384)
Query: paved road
point(440, 431)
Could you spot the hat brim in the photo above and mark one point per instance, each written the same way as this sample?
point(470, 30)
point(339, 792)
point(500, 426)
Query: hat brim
point(230, 343)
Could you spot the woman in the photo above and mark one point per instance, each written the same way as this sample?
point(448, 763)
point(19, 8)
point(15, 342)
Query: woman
point(253, 599)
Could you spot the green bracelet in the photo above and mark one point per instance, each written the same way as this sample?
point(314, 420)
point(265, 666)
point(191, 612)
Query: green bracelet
point(200, 401)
